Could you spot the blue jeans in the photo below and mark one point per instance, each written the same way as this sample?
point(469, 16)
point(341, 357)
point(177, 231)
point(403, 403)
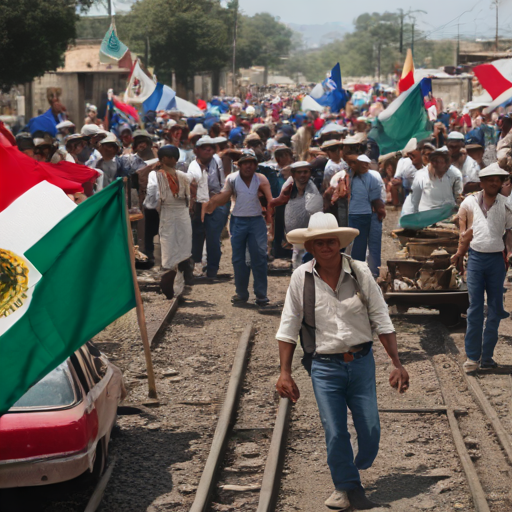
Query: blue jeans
point(485, 274)
point(210, 230)
point(250, 232)
point(338, 385)
point(375, 244)
point(362, 223)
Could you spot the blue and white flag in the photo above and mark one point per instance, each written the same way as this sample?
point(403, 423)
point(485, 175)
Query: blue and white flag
point(330, 93)
point(162, 98)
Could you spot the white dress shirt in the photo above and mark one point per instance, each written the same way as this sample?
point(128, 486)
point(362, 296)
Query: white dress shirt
point(342, 318)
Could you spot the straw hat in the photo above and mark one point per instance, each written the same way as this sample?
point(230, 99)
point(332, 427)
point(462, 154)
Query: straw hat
point(322, 225)
point(331, 143)
point(492, 170)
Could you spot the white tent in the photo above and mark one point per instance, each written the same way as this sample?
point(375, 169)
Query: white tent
point(308, 103)
point(188, 109)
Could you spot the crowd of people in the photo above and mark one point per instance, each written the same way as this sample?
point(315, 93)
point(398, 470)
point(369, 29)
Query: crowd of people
point(301, 186)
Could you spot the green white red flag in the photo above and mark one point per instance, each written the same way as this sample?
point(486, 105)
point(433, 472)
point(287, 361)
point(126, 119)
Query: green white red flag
point(65, 274)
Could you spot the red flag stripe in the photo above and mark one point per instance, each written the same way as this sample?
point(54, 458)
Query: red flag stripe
point(491, 80)
point(406, 82)
point(19, 173)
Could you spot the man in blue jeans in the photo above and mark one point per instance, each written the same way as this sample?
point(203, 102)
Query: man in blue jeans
point(208, 178)
point(484, 218)
point(365, 198)
point(336, 306)
point(248, 228)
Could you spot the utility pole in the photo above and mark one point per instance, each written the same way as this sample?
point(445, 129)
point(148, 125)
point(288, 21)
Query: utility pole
point(234, 45)
point(458, 46)
point(412, 40)
point(401, 30)
point(497, 3)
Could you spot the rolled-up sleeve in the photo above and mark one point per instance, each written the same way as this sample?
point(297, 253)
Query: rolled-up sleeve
point(291, 317)
point(152, 192)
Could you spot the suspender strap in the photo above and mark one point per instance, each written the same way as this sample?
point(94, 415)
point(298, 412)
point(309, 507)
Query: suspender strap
point(308, 330)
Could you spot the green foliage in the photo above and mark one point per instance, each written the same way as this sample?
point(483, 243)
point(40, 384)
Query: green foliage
point(262, 41)
point(358, 51)
point(33, 38)
point(92, 27)
point(185, 36)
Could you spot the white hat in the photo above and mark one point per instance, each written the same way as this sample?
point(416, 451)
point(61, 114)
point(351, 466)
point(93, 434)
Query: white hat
point(412, 145)
point(455, 136)
point(110, 138)
point(90, 130)
point(65, 124)
point(199, 129)
point(171, 123)
point(492, 170)
point(322, 225)
point(219, 140)
point(225, 117)
point(247, 154)
point(364, 158)
point(358, 138)
point(205, 140)
point(300, 165)
point(250, 110)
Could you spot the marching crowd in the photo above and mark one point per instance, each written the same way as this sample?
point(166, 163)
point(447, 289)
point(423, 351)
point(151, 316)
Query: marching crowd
point(301, 187)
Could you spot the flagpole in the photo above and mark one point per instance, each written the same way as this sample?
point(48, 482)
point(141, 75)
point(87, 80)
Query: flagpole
point(141, 317)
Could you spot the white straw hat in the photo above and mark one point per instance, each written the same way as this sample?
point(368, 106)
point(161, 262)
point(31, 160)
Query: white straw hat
point(322, 225)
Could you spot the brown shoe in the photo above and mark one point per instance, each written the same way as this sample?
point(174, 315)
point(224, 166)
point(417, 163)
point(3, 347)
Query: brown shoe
point(167, 284)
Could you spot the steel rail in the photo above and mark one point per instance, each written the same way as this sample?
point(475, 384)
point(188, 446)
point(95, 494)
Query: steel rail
point(225, 424)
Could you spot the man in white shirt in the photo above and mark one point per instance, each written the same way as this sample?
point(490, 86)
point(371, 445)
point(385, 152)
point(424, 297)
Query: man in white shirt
point(208, 175)
point(463, 162)
point(436, 185)
point(335, 304)
point(484, 218)
point(335, 164)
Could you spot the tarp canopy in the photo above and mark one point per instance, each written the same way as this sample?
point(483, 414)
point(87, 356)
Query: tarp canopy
point(188, 109)
point(308, 103)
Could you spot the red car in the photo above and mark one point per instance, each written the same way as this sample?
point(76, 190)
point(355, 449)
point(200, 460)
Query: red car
point(61, 427)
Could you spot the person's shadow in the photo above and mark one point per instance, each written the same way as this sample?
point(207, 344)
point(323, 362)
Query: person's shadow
point(397, 486)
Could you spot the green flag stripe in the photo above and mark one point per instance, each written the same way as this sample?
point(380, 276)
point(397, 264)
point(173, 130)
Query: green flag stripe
point(87, 283)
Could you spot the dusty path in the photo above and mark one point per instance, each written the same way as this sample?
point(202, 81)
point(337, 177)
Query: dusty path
point(161, 452)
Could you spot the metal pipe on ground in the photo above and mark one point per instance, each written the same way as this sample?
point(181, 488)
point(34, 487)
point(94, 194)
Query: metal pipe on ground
point(275, 460)
point(225, 423)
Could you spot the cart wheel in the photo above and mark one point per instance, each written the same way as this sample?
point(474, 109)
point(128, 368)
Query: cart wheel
point(449, 314)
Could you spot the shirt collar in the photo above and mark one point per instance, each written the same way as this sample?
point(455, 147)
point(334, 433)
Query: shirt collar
point(345, 266)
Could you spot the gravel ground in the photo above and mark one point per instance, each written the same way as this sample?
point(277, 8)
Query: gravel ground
point(160, 453)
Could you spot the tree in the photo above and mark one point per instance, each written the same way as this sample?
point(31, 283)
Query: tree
point(262, 41)
point(34, 36)
point(372, 49)
point(186, 37)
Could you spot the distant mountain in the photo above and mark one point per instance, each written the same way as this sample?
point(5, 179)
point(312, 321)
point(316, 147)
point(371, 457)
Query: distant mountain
point(317, 35)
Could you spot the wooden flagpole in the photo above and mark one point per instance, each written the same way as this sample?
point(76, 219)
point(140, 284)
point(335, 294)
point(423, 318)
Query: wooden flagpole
point(141, 317)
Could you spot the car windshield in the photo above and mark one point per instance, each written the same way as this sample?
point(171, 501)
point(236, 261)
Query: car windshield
point(54, 390)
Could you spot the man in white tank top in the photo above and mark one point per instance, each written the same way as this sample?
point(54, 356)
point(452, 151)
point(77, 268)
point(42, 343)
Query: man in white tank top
point(247, 227)
point(483, 219)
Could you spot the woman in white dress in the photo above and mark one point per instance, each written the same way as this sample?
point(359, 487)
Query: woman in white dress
point(169, 192)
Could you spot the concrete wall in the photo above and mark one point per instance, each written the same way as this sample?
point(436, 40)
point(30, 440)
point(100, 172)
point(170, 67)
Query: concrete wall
point(452, 90)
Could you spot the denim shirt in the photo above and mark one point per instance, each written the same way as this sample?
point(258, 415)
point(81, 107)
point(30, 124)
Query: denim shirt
point(364, 189)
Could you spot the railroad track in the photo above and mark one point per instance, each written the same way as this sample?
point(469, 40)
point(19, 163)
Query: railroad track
point(235, 453)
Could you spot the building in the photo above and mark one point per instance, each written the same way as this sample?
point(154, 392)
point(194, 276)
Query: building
point(83, 79)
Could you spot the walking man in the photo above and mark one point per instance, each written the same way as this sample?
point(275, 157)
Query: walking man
point(247, 228)
point(336, 306)
point(484, 218)
point(208, 173)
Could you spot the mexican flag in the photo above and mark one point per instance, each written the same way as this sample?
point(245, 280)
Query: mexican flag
point(405, 118)
point(65, 274)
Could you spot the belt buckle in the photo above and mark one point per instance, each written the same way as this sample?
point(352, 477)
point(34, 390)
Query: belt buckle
point(348, 357)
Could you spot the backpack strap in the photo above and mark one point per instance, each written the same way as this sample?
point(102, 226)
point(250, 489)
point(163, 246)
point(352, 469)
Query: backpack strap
point(308, 330)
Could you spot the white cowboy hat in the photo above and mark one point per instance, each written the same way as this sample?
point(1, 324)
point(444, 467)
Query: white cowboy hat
point(492, 170)
point(322, 225)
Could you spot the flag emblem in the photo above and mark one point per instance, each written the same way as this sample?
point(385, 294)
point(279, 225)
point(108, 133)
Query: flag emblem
point(13, 282)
